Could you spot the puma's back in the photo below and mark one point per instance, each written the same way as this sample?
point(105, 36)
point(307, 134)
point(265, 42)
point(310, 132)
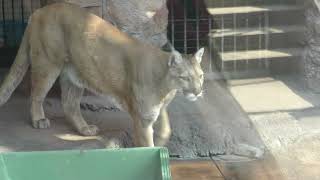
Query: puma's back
point(98, 51)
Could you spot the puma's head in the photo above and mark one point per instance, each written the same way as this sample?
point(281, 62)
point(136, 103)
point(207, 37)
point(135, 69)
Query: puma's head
point(186, 73)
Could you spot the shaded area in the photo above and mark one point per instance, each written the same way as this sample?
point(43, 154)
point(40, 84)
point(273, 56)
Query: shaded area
point(213, 125)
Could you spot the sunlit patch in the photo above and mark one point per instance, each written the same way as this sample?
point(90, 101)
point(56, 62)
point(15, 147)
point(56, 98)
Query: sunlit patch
point(5, 149)
point(150, 14)
point(108, 143)
point(72, 137)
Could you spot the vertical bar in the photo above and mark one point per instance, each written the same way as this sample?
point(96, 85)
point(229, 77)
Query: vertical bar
point(222, 43)
point(13, 23)
point(234, 40)
point(197, 22)
point(22, 21)
point(234, 37)
point(222, 40)
point(22, 17)
point(4, 23)
point(22, 11)
point(12, 9)
point(31, 5)
point(104, 9)
point(185, 25)
point(260, 42)
point(247, 38)
point(172, 22)
point(266, 41)
point(210, 46)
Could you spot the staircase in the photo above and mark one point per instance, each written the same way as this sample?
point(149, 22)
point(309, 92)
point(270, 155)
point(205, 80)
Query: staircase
point(256, 37)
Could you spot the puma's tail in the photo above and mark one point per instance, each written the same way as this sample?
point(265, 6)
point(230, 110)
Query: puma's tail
point(17, 70)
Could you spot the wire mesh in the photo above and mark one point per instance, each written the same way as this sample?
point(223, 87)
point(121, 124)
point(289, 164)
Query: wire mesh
point(189, 25)
point(13, 20)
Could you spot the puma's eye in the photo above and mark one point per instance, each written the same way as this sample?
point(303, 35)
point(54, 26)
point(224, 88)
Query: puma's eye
point(185, 78)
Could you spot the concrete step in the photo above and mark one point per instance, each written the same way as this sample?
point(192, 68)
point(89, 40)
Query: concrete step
point(252, 38)
point(259, 67)
point(252, 31)
point(232, 3)
point(260, 54)
point(257, 19)
point(258, 41)
point(274, 93)
point(252, 9)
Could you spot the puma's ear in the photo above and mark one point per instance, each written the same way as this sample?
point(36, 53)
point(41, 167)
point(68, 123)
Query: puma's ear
point(175, 59)
point(198, 55)
point(167, 47)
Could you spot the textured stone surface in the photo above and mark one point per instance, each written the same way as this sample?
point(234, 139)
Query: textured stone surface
point(312, 50)
point(215, 124)
point(145, 20)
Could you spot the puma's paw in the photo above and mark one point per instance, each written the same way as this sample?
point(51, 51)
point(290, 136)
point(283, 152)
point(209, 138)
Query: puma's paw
point(41, 124)
point(90, 130)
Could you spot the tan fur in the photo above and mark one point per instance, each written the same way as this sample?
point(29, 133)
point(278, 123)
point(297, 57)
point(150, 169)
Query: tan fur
point(89, 53)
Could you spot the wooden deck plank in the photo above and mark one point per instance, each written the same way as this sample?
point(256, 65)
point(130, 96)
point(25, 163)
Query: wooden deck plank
point(194, 170)
point(265, 169)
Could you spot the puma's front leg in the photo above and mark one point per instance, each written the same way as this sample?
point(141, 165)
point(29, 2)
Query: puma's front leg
point(163, 130)
point(143, 134)
point(143, 129)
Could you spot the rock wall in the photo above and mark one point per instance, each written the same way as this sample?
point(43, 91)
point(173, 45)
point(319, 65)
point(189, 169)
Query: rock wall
point(312, 49)
point(146, 21)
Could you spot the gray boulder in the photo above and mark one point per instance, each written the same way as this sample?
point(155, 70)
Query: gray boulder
point(145, 20)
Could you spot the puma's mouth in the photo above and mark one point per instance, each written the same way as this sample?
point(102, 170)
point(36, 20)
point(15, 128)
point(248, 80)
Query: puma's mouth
point(191, 97)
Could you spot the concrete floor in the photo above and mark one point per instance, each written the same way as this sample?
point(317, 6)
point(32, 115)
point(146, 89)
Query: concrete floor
point(287, 117)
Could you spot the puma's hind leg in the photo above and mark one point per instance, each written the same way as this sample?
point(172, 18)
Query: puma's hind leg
point(71, 97)
point(42, 79)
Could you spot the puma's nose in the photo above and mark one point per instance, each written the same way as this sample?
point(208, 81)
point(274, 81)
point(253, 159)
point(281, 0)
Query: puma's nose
point(197, 92)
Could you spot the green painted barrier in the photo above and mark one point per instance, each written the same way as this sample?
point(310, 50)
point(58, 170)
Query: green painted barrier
point(116, 164)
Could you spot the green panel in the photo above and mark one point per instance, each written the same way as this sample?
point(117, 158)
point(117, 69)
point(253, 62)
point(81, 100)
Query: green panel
point(3, 169)
point(120, 164)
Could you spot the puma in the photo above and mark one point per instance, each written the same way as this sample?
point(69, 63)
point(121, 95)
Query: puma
point(85, 52)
